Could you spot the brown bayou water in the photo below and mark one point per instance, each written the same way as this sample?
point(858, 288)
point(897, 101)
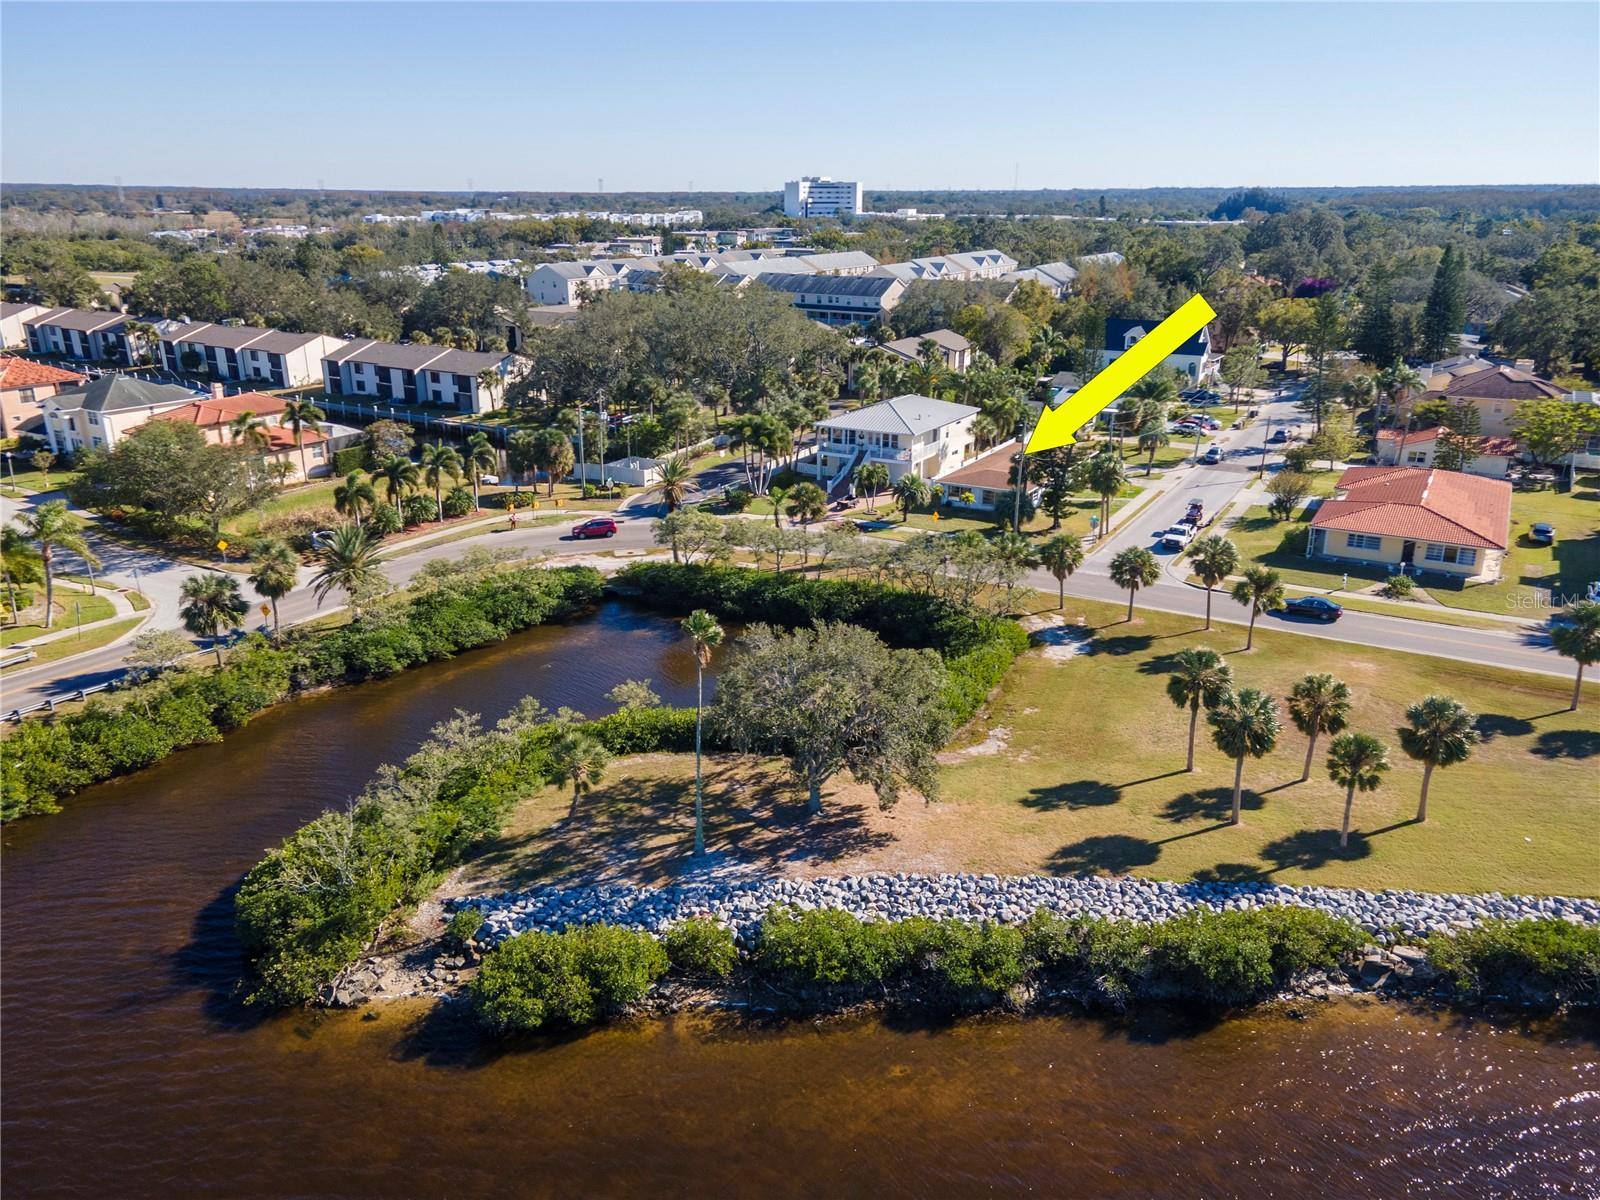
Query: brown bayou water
point(128, 1071)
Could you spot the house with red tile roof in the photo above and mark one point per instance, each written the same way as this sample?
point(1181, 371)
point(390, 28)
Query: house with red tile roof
point(216, 414)
point(1426, 520)
point(1418, 448)
point(24, 386)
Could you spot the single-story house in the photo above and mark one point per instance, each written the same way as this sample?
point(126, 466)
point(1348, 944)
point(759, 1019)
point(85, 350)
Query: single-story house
point(1194, 358)
point(12, 335)
point(88, 335)
point(906, 434)
point(241, 352)
point(24, 387)
point(1422, 520)
point(215, 414)
point(96, 415)
point(954, 350)
point(1417, 448)
point(410, 374)
point(1494, 389)
point(985, 479)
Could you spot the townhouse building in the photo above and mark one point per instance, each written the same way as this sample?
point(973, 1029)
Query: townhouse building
point(416, 375)
point(567, 282)
point(838, 299)
point(240, 353)
point(82, 334)
point(12, 335)
point(974, 264)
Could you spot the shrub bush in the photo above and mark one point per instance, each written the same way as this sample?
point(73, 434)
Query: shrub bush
point(571, 978)
point(463, 927)
point(701, 947)
point(1504, 957)
point(351, 458)
point(384, 520)
point(982, 958)
point(418, 509)
point(296, 527)
point(1400, 587)
point(643, 730)
point(457, 502)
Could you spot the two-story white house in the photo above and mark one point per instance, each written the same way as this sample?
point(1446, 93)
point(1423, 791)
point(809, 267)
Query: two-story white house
point(566, 282)
point(242, 352)
point(96, 415)
point(83, 334)
point(906, 434)
point(414, 375)
point(1194, 358)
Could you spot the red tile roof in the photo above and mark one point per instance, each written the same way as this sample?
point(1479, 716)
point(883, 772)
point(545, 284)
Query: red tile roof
point(1402, 439)
point(220, 410)
point(1422, 505)
point(21, 373)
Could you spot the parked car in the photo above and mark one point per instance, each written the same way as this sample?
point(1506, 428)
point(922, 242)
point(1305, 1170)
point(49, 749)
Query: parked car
point(1278, 436)
point(1542, 533)
point(595, 527)
point(1314, 607)
point(1177, 537)
point(492, 480)
point(1213, 454)
point(321, 538)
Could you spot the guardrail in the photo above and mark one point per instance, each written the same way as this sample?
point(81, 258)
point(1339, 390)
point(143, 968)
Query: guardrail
point(25, 656)
point(16, 714)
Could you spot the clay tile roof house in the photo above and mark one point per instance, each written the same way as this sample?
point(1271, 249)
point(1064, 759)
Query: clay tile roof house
point(1494, 389)
point(1418, 447)
point(24, 386)
point(1428, 520)
point(215, 414)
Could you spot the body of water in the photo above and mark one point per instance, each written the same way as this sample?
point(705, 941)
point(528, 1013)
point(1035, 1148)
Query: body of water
point(128, 1069)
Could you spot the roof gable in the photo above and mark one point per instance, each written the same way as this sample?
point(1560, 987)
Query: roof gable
point(1420, 504)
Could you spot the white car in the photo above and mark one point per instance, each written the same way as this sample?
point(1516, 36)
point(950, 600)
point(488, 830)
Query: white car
point(1177, 537)
point(492, 480)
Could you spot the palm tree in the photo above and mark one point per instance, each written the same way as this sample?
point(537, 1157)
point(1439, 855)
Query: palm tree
point(1318, 704)
point(872, 478)
point(354, 495)
point(579, 759)
point(51, 527)
point(1356, 761)
point(250, 430)
point(777, 495)
point(1105, 476)
point(674, 480)
point(522, 454)
point(1244, 724)
point(1439, 732)
point(147, 335)
point(480, 457)
point(277, 568)
point(807, 503)
point(1213, 558)
point(400, 475)
point(489, 381)
point(1134, 568)
point(349, 561)
point(1577, 636)
point(1201, 680)
point(440, 462)
point(706, 635)
point(869, 378)
point(1397, 382)
point(552, 454)
point(1261, 590)
point(299, 416)
point(1061, 556)
point(211, 603)
point(910, 491)
point(1152, 434)
point(20, 563)
point(1047, 346)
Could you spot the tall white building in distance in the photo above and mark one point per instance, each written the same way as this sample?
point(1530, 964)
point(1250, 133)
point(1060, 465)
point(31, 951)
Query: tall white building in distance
point(819, 196)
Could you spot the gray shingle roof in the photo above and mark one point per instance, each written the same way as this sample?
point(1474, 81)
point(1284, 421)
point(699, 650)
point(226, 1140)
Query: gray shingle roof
point(83, 320)
point(119, 393)
point(902, 414)
point(829, 285)
point(415, 358)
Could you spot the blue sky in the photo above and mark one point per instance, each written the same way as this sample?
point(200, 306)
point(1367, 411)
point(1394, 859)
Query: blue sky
point(732, 96)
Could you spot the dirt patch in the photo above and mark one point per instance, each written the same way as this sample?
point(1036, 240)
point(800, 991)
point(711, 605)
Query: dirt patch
point(1057, 640)
point(998, 737)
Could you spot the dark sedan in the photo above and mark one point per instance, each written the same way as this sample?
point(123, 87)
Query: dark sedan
point(1314, 607)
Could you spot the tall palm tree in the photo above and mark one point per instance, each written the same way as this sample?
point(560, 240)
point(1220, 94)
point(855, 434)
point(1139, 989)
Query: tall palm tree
point(910, 491)
point(1134, 568)
point(440, 462)
point(1397, 382)
point(1047, 346)
point(869, 378)
point(400, 475)
point(51, 527)
point(1577, 636)
point(142, 333)
point(1318, 704)
point(1260, 590)
point(1439, 732)
point(348, 561)
point(354, 495)
point(479, 457)
point(1061, 556)
point(674, 481)
point(211, 603)
point(706, 635)
point(522, 456)
point(1200, 679)
point(277, 568)
point(302, 416)
point(20, 563)
point(1152, 434)
point(489, 381)
point(552, 454)
point(1356, 761)
point(1244, 724)
point(579, 759)
point(1105, 475)
point(1213, 558)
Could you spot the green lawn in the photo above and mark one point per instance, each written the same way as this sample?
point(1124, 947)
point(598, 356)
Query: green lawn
point(31, 480)
point(1078, 767)
point(94, 608)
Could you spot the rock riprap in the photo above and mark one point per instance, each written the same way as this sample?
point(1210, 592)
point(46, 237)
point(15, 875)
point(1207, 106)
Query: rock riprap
point(1389, 916)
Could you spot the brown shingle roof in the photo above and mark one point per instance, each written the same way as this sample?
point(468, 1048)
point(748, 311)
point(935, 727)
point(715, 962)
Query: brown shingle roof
point(1495, 382)
point(1422, 505)
point(993, 470)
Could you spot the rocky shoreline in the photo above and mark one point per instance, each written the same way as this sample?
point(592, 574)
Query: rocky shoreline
point(1397, 922)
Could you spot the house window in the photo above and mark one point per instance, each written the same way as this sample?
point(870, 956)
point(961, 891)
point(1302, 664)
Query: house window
point(1459, 555)
point(1363, 541)
point(27, 395)
point(93, 420)
point(1416, 457)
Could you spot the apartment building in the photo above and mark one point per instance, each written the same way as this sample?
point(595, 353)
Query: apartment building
point(974, 264)
point(89, 336)
point(96, 415)
point(820, 196)
point(242, 352)
point(566, 282)
point(415, 375)
point(838, 299)
point(12, 335)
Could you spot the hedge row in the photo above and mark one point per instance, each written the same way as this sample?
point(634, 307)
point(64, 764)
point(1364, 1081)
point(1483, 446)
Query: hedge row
point(1221, 959)
point(1534, 958)
point(976, 648)
point(49, 759)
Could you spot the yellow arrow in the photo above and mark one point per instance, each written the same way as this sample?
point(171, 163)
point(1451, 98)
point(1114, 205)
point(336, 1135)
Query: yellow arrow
point(1057, 425)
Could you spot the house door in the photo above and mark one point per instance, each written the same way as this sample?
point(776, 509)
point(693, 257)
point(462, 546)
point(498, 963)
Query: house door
point(1408, 552)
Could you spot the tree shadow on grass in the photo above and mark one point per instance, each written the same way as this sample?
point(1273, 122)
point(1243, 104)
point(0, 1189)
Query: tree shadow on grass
point(1128, 643)
point(1113, 853)
point(1567, 743)
point(1228, 872)
point(1213, 804)
point(1081, 793)
point(1495, 725)
point(1312, 849)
